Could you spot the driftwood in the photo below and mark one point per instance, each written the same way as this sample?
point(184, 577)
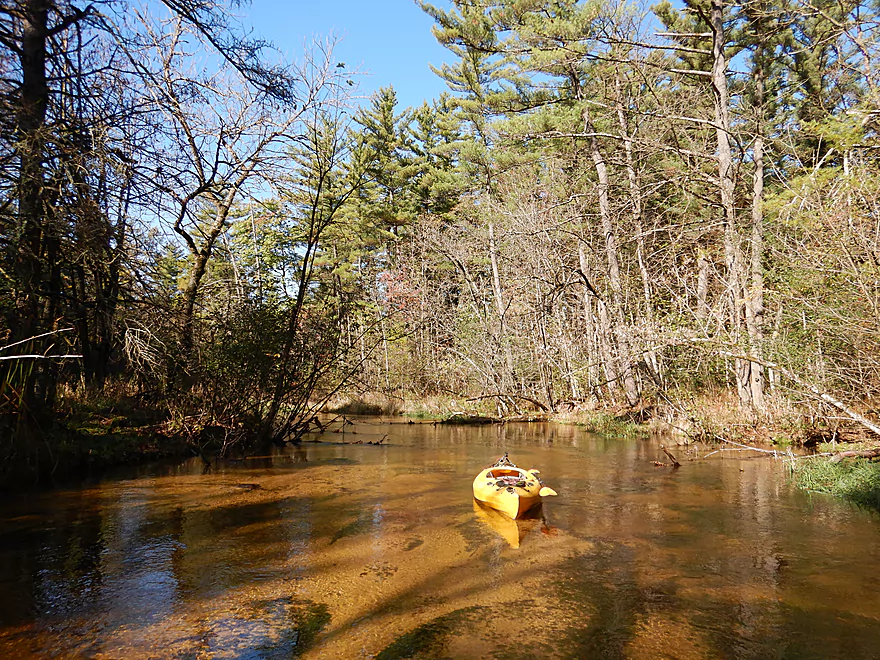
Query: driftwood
point(873, 452)
point(853, 453)
point(674, 460)
point(770, 452)
point(352, 442)
point(465, 419)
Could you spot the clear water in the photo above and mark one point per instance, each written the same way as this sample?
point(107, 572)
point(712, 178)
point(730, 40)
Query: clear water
point(358, 551)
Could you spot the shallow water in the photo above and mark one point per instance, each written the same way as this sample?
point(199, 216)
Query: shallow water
point(358, 551)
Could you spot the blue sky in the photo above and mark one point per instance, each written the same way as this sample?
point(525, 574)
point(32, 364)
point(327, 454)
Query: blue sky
point(390, 40)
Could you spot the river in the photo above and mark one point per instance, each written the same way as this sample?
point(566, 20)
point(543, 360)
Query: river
point(339, 550)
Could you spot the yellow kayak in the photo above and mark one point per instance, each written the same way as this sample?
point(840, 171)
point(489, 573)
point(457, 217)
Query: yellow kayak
point(509, 489)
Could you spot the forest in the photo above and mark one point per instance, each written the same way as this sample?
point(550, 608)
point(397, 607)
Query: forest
point(666, 214)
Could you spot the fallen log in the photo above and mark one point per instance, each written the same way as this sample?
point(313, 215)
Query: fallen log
point(854, 453)
point(465, 419)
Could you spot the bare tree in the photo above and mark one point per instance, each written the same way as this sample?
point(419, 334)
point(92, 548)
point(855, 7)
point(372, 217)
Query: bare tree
point(218, 140)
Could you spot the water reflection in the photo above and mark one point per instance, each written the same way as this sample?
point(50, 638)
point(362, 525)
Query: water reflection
point(512, 531)
point(357, 551)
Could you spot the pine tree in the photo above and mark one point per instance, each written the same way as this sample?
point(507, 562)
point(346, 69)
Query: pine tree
point(436, 141)
point(383, 141)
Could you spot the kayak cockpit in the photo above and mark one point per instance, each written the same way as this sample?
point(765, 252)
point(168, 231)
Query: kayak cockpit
point(508, 477)
point(506, 472)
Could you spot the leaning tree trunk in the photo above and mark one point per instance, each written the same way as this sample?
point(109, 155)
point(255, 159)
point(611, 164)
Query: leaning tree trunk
point(202, 255)
point(190, 293)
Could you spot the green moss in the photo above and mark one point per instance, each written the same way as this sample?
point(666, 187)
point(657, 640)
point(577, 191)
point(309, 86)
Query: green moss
point(422, 642)
point(300, 622)
point(423, 414)
point(857, 480)
point(823, 447)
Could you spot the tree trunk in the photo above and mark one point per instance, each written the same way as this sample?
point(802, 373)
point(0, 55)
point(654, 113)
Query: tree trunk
point(755, 300)
point(635, 194)
point(702, 286)
point(507, 377)
point(25, 321)
point(614, 281)
point(592, 338)
point(727, 185)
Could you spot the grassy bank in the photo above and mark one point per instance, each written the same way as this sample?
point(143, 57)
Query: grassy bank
point(853, 478)
point(64, 453)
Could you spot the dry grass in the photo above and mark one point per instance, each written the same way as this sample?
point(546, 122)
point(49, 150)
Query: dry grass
point(375, 404)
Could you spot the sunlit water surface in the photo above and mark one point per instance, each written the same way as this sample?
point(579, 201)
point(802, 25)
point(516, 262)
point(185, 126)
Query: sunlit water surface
point(358, 551)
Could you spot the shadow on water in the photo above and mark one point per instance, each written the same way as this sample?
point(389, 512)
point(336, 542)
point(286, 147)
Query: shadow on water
point(604, 587)
point(88, 568)
point(430, 640)
point(741, 630)
point(601, 587)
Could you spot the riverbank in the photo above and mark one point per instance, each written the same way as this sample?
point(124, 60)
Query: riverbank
point(86, 438)
point(91, 435)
